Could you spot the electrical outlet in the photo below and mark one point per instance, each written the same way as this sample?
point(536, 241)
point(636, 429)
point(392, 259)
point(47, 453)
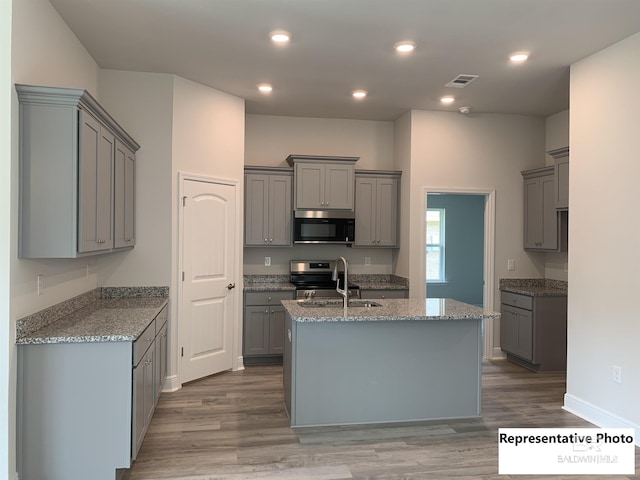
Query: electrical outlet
point(511, 264)
point(267, 261)
point(367, 260)
point(40, 283)
point(617, 374)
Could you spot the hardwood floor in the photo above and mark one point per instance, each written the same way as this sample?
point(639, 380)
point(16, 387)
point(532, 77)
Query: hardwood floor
point(233, 426)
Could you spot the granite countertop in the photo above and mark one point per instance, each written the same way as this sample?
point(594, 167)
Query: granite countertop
point(534, 287)
point(104, 320)
point(381, 285)
point(389, 310)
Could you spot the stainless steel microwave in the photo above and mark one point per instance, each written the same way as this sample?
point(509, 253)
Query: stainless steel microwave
point(324, 226)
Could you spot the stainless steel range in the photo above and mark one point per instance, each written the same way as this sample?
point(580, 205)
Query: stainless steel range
point(312, 279)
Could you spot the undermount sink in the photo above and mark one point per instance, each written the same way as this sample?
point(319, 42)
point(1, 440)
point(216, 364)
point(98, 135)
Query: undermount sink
point(337, 304)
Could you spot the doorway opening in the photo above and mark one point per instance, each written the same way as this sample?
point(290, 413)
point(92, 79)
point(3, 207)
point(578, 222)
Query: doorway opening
point(459, 250)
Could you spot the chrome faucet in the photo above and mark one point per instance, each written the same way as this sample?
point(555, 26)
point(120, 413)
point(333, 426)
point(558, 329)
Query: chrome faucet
point(345, 290)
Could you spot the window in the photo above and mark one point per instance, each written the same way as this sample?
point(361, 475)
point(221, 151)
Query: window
point(435, 245)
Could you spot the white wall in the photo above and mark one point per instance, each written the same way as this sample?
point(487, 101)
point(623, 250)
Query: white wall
point(556, 133)
point(143, 105)
point(7, 333)
point(208, 139)
point(270, 139)
point(603, 326)
point(475, 152)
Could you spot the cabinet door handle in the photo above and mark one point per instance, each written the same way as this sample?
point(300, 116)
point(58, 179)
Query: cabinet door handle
point(231, 286)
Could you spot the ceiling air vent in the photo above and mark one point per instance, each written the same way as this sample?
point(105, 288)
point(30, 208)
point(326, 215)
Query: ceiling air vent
point(461, 81)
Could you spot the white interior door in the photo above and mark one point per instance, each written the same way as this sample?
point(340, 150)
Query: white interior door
point(208, 249)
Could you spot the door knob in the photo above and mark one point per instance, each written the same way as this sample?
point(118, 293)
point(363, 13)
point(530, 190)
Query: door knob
point(231, 286)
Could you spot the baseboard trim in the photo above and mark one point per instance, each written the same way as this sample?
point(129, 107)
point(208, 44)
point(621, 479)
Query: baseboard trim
point(598, 416)
point(239, 364)
point(497, 354)
point(171, 384)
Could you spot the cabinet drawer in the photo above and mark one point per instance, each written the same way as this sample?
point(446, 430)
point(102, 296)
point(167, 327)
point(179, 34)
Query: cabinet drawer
point(267, 298)
point(143, 342)
point(517, 300)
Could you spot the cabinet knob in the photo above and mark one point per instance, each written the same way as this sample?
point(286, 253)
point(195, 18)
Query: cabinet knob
point(266, 312)
point(269, 298)
point(381, 296)
point(265, 240)
point(270, 240)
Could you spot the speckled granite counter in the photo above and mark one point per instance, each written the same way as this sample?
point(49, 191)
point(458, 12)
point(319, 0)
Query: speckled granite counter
point(105, 320)
point(389, 310)
point(112, 315)
point(535, 287)
point(261, 283)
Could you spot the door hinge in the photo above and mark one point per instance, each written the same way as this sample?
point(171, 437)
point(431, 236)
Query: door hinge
point(183, 276)
point(184, 201)
point(182, 351)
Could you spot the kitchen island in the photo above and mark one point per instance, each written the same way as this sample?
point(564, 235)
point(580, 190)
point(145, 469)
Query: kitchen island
point(398, 360)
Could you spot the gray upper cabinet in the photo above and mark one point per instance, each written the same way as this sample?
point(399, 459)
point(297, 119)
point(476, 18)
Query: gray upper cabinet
point(267, 206)
point(124, 214)
point(377, 208)
point(323, 183)
point(71, 201)
point(541, 220)
point(561, 172)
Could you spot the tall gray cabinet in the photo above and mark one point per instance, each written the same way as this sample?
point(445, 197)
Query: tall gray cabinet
point(376, 208)
point(544, 227)
point(77, 175)
point(267, 218)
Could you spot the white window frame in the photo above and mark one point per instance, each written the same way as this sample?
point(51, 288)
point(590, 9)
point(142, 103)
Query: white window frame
point(442, 245)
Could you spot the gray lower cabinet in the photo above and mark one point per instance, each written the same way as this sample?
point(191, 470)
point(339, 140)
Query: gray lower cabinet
point(372, 294)
point(83, 408)
point(76, 196)
point(149, 374)
point(263, 331)
point(533, 330)
point(268, 209)
point(323, 183)
point(376, 208)
point(542, 223)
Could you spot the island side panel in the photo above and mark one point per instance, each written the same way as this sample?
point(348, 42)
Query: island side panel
point(386, 371)
point(288, 367)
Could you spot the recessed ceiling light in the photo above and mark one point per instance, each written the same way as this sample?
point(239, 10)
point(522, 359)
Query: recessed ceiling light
point(280, 37)
point(405, 46)
point(519, 57)
point(265, 88)
point(447, 100)
point(359, 93)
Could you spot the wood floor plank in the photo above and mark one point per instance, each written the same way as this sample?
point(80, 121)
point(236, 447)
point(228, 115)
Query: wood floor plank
point(232, 426)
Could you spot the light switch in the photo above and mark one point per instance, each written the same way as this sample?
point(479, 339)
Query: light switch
point(511, 264)
point(267, 261)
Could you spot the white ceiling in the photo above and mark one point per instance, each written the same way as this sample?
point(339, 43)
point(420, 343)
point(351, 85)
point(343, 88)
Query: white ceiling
point(341, 45)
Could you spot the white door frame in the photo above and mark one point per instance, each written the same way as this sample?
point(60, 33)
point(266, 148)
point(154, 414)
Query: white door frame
point(236, 348)
point(489, 253)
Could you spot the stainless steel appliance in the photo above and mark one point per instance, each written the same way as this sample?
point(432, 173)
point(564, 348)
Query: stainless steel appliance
point(324, 226)
point(312, 279)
